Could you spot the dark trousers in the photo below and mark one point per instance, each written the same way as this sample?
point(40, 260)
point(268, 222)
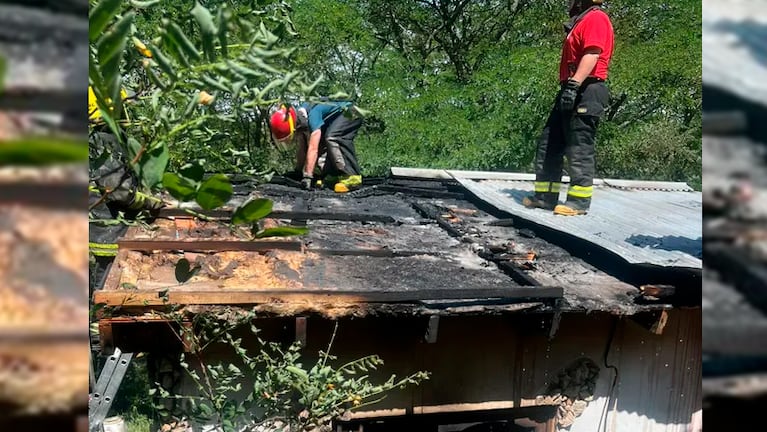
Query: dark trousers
point(338, 142)
point(571, 134)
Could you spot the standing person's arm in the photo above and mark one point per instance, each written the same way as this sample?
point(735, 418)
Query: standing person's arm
point(587, 64)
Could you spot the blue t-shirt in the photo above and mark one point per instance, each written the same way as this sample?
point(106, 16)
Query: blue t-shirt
point(320, 112)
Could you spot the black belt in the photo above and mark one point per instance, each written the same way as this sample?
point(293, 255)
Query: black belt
point(588, 80)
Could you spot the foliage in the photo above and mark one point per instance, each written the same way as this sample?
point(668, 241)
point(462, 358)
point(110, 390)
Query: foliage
point(178, 80)
point(286, 395)
point(429, 112)
point(189, 87)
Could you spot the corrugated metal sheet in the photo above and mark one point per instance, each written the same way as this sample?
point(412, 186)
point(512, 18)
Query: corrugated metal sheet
point(642, 226)
point(734, 49)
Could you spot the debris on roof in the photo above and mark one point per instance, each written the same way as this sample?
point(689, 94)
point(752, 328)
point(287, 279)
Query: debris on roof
point(43, 308)
point(372, 251)
point(654, 223)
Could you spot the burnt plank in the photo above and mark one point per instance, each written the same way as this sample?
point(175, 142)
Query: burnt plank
point(209, 245)
point(517, 274)
point(431, 213)
point(420, 192)
point(218, 297)
point(53, 100)
point(376, 253)
point(286, 214)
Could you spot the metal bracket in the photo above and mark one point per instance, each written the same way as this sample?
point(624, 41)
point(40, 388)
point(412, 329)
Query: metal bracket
point(109, 382)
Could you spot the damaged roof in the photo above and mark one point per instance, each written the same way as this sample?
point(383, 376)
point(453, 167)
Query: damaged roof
point(644, 222)
point(398, 246)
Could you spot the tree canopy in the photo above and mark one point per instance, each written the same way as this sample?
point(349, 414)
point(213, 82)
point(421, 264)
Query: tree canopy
point(468, 84)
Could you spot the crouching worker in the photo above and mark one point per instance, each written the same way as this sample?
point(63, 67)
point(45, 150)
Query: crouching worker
point(323, 128)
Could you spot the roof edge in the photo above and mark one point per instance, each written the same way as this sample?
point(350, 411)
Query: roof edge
point(441, 174)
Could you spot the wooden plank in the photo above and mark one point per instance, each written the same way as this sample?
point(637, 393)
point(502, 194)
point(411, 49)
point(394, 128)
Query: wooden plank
point(68, 196)
point(49, 100)
point(220, 297)
point(429, 212)
point(286, 214)
point(378, 253)
point(420, 192)
point(209, 245)
point(47, 336)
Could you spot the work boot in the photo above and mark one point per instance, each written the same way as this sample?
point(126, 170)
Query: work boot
point(569, 210)
point(347, 183)
point(537, 201)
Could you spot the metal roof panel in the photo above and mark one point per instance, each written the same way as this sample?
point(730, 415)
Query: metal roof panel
point(661, 228)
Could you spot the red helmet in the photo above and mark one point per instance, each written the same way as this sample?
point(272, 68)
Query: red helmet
point(283, 123)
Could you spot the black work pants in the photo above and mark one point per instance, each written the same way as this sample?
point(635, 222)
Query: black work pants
point(571, 134)
point(338, 146)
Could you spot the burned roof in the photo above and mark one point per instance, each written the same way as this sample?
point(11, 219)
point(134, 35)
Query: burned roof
point(43, 290)
point(654, 223)
point(394, 246)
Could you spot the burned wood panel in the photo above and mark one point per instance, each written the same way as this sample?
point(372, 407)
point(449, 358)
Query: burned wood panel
point(43, 303)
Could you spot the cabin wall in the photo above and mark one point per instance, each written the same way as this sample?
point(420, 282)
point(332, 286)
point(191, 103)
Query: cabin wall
point(507, 361)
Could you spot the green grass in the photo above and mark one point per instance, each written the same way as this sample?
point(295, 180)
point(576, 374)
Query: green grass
point(135, 422)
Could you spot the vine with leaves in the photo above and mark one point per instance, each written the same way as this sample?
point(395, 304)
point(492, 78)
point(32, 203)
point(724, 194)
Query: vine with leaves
point(286, 394)
point(182, 81)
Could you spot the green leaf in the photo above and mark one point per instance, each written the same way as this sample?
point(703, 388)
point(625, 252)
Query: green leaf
point(252, 211)
point(215, 84)
point(207, 29)
point(34, 151)
point(163, 61)
point(184, 44)
point(100, 16)
point(193, 171)
point(214, 192)
point(298, 372)
point(112, 46)
point(152, 165)
point(223, 18)
point(281, 232)
point(179, 187)
point(185, 271)
point(193, 101)
point(143, 4)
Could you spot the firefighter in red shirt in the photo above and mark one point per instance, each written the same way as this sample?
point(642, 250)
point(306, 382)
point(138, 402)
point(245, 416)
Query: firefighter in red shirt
point(579, 106)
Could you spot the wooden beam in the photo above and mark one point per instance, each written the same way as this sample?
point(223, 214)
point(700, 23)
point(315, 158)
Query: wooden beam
point(209, 245)
point(228, 297)
point(286, 214)
point(31, 99)
point(378, 252)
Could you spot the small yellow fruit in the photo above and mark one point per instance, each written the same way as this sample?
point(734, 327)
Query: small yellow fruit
point(141, 47)
point(205, 98)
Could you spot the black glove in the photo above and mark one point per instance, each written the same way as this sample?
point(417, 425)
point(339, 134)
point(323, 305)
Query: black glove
point(568, 95)
point(294, 175)
point(306, 183)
